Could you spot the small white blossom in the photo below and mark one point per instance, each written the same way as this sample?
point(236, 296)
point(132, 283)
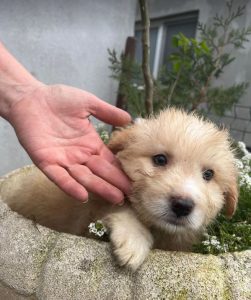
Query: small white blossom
point(97, 228)
point(243, 148)
point(212, 242)
point(104, 136)
point(244, 166)
point(239, 164)
point(103, 132)
point(138, 87)
point(247, 157)
point(206, 243)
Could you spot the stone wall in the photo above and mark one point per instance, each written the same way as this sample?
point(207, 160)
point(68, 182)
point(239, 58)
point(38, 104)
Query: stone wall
point(38, 263)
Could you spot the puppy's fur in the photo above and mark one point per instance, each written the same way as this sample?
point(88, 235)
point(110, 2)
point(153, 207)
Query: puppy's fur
point(148, 220)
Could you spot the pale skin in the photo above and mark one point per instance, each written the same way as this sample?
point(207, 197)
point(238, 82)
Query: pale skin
point(51, 123)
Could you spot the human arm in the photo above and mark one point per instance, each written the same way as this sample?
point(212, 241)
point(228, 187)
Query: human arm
point(51, 123)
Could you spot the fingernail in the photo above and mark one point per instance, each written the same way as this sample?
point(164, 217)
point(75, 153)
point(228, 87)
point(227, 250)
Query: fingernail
point(121, 203)
point(85, 201)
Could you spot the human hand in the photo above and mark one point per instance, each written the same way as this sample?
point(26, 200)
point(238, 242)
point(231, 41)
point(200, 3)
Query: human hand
point(51, 123)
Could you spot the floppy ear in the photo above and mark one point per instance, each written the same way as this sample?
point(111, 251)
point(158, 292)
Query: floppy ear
point(120, 139)
point(231, 198)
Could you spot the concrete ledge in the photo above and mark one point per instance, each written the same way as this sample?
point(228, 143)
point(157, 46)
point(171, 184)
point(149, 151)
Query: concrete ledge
point(38, 263)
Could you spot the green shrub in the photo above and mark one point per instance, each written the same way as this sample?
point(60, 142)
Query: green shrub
point(188, 79)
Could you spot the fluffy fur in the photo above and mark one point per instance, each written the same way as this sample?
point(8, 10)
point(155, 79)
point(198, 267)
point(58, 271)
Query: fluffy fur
point(191, 146)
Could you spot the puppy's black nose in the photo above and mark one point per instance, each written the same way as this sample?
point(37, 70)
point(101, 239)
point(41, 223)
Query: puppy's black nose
point(181, 207)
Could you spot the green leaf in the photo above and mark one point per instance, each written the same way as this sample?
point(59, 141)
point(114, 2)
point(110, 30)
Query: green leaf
point(176, 66)
point(204, 46)
point(175, 41)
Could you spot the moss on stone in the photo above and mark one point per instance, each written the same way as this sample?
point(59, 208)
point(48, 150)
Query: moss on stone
point(181, 295)
point(227, 294)
point(41, 255)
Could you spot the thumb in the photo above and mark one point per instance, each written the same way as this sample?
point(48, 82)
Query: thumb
point(108, 113)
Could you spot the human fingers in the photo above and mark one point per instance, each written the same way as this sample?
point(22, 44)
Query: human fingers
point(108, 113)
point(66, 182)
point(96, 184)
point(110, 173)
point(107, 154)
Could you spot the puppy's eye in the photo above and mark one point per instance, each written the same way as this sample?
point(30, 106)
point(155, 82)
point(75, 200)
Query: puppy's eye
point(160, 160)
point(208, 174)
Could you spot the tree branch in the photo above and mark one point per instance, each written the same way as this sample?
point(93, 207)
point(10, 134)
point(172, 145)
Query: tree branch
point(146, 56)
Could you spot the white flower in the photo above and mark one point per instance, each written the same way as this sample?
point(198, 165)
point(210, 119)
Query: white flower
point(97, 228)
point(244, 166)
point(245, 180)
point(206, 243)
point(138, 87)
point(247, 157)
point(214, 241)
point(104, 135)
point(243, 148)
point(239, 164)
point(103, 132)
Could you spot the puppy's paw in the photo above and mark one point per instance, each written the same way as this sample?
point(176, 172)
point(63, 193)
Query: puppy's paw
point(130, 238)
point(131, 249)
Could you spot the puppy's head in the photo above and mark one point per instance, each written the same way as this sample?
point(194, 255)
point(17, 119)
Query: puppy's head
point(182, 169)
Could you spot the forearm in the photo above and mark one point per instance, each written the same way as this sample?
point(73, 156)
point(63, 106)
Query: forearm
point(12, 70)
point(15, 80)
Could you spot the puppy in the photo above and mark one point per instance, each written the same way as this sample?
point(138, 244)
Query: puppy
point(182, 171)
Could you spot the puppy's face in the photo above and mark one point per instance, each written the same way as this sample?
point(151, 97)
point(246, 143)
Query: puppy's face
point(182, 170)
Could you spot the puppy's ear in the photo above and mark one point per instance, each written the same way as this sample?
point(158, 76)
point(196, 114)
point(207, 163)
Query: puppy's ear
point(231, 198)
point(120, 139)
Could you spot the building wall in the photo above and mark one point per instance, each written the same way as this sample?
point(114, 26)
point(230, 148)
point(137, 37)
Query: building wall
point(239, 70)
point(62, 41)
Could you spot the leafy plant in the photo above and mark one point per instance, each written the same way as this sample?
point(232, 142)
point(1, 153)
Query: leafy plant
point(129, 75)
point(189, 79)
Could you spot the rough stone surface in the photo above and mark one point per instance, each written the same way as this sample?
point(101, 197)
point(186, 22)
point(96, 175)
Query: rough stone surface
point(23, 249)
point(37, 263)
point(7, 293)
point(86, 270)
point(238, 272)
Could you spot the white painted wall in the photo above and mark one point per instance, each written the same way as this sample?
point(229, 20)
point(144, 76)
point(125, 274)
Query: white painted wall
point(62, 41)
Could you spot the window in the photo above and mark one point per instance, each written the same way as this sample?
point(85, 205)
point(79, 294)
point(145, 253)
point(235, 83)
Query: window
point(161, 33)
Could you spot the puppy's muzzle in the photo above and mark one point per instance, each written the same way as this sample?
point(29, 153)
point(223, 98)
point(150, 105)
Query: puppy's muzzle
point(181, 207)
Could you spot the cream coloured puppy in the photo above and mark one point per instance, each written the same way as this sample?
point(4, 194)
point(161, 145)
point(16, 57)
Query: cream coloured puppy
point(183, 173)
